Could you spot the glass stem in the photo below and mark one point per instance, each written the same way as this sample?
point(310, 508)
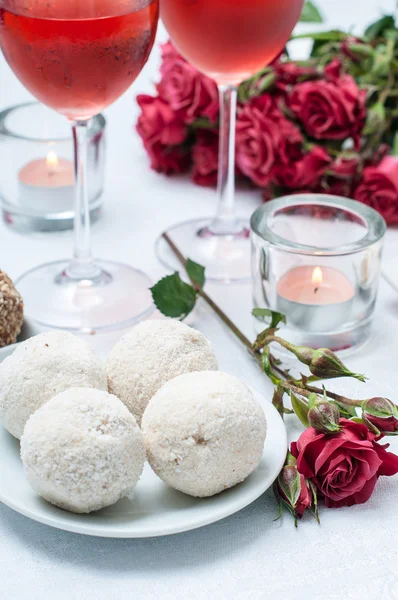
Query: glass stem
point(226, 221)
point(82, 265)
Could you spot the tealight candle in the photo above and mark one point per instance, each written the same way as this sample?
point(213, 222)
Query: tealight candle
point(46, 185)
point(315, 299)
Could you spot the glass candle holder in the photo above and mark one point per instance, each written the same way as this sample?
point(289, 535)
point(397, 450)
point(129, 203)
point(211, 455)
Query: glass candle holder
point(37, 175)
point(317, 259)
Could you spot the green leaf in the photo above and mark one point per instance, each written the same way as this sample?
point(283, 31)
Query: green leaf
point(264, 314)
point(378, 28)
point(196, 273)
point(300, 407)
point(173, 297)
point(335, 35)
point(311, 14)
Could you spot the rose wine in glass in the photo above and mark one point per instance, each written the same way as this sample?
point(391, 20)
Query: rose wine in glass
point(78, 57)
point(228, 40)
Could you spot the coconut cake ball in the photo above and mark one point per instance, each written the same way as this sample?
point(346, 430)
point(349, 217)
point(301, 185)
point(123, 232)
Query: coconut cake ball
point(204, 433)
point(150, 355)
point(83, 450)
point(40, 368)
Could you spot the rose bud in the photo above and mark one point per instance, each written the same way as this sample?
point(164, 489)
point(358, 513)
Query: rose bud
point(324, 417)
point(292, 490)
point(357, 50)
point(324, 363)
point(382, 414)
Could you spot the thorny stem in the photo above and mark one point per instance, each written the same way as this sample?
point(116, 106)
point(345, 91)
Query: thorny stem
point(337, 397)
point(309, 390)
point(288, 383)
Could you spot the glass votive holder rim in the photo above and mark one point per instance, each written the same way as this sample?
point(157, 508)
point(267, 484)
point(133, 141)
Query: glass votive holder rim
point(374, 222)
point(96, 125)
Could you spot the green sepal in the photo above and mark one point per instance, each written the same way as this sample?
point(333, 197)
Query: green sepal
point(300, 408)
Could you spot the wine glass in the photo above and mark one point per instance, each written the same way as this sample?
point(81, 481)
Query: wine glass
point(77, 57)
point(228, 40)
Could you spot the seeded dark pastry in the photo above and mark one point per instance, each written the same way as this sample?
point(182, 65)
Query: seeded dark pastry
point(11, 311)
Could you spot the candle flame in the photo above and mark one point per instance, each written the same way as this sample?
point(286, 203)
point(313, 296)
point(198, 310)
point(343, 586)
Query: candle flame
point(52, 161)
point(317, 276)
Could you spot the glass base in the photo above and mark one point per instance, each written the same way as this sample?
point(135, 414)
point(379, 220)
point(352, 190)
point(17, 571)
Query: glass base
point(117, 297)
point(225, 255)
point(21, 221)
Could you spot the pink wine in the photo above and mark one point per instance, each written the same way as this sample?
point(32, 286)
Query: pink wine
point(77, 56)
point(230, 40)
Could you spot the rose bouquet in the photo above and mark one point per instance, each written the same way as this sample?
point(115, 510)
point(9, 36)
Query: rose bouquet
point(327, 124)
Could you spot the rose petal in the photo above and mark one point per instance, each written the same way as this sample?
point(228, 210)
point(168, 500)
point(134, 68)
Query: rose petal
point(358, 498)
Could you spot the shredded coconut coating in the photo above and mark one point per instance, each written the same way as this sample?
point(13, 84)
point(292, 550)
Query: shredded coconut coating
point(204, 433)
point(150, 355)
point(11, 311)
point(83, 450)
point(39, 369)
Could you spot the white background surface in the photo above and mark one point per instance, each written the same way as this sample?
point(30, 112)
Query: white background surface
point(352, 554)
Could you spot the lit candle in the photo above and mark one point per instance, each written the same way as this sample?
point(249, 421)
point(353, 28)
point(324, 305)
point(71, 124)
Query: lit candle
point(315, 299)
point(46, 185)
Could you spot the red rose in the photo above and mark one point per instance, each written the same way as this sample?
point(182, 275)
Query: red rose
point(340, 176)
point(159, 123)
point(205, 158)
point(344, 167)
point(169, 53)
point(355, 49)
point(344, 466)
point(290, 73)
point(168, 159)
point(378, 188)
point(291, 142)
point(331, 108)
point(335, 186)
point(305, 172)
point(258, 138)
point(185, 89)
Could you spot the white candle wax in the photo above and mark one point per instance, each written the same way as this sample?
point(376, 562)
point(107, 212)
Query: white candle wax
point(315, 299)
point(46, 185)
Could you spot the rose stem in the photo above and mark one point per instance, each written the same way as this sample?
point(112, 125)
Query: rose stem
point(245, 341)
point(287, 386)
point(230, 324)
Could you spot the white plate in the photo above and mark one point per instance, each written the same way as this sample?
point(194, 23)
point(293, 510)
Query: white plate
point(155, 509)
point(29, 329)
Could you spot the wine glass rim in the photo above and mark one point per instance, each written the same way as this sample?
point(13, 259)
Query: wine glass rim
point(96, 125)
point(371, 219)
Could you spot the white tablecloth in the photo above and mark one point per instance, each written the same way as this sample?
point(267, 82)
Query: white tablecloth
point(352, 554)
